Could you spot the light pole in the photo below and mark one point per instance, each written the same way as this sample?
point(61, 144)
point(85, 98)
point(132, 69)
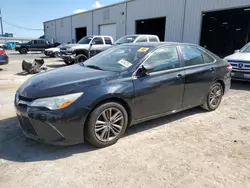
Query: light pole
point(1, 21)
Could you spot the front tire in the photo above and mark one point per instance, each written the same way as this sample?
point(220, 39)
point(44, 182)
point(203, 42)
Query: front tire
point(106, 124)
point(214, 97)
point(81, 58)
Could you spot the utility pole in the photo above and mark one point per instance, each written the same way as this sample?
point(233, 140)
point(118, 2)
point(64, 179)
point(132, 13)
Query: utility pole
point(1, 21)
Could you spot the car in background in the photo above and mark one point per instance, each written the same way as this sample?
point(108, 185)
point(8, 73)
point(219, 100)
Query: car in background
point(10, 45)
point(54, 52)
point(87, 47)
point(122, 86)
point(137, 39)
point(240, 62)
point(34, 45)
point(4, 59)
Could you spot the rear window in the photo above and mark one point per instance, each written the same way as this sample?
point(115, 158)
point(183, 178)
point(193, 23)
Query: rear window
point(153, 39)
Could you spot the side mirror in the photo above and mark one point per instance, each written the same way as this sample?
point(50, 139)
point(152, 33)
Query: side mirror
point(236, 51)
point(93, 43)
point(144, 70)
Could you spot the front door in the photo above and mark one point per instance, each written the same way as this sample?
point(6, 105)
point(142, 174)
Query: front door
point(200, 70)
point(161, 90)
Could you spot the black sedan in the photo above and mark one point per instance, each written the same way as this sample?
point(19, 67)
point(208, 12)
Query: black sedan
point(4, 59)
point(122, 86)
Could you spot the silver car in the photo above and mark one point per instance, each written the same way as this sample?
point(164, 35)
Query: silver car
point(240, 62)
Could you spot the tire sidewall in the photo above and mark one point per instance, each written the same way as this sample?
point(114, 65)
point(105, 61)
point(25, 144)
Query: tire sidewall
point(90, 126)
point(23, 51)
point(211, 108)
point(81, 56)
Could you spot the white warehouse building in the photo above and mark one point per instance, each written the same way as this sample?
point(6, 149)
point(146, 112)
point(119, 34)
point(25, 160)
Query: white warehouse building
point(220, 25)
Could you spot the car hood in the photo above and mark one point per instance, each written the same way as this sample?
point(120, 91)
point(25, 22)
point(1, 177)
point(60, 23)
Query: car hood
point(52, 49)
point(63, 81)
point(239, 57)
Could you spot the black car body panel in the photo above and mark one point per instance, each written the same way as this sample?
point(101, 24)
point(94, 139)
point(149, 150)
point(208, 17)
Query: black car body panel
point(144, 97)
point(4, 59)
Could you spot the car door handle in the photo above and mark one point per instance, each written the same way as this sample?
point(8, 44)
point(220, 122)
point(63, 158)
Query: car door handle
point(180, 76)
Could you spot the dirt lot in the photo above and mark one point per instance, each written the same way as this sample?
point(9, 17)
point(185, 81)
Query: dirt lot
point(186, 150)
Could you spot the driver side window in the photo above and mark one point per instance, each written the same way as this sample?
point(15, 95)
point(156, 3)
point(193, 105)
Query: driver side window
point(165, 58)
point(97, 40)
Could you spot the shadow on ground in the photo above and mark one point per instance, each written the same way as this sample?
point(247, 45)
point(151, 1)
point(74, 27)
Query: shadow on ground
point(23, 73)
point(239, 85)
point(56, 65)
point(15, 147)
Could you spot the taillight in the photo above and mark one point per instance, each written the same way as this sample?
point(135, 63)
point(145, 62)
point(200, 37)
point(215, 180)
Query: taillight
point(2, 52)
point(229, 68)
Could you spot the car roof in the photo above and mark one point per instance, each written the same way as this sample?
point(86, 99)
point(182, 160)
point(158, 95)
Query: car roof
point(157, 44)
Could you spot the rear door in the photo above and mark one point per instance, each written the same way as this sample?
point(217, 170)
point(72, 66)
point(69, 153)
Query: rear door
point(162, 89)
point(200, 73)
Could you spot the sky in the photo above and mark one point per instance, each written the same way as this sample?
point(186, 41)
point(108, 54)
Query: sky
point(30, 14)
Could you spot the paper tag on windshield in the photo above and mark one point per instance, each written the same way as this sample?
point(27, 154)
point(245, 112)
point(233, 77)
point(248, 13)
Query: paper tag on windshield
point(125, 63)
point(143, 50)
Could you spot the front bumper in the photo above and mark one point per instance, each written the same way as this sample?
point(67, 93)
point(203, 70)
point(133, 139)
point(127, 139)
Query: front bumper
point(241, 75)
point(68, 57)
point(48, 53)
point(58, 127)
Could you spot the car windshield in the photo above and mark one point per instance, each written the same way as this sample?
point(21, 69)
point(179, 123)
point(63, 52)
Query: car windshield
point(61, 45)
point(118, 58)
point(126, 39)
point(85, 40)
point(245, 49)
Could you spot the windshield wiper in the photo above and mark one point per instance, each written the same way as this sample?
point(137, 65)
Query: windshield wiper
point(94, 67)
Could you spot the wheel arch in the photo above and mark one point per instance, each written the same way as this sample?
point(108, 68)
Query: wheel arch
point(81, 51)
point(112, 99)
point(222, 84)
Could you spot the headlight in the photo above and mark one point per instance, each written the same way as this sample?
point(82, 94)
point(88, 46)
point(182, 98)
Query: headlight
point(18, 46)
point(59, 102)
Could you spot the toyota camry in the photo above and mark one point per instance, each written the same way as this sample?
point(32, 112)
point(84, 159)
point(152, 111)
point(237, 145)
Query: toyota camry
point(99, 99)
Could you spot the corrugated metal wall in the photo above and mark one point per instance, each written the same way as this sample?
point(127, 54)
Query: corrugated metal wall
point(183, 18)
point(173, 10)
point(82, 20)
point(193, 15)
point(111, 15)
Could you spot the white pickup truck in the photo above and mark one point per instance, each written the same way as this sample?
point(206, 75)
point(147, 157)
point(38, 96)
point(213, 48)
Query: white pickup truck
point(80, 52)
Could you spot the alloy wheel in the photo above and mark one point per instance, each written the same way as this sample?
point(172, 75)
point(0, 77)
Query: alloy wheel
point(109, 124)
point(215, 96)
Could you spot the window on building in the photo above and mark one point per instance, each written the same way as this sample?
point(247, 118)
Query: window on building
point(165, 58)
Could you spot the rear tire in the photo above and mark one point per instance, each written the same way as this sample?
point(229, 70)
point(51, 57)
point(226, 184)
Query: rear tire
point(213, 98)
point(105, 127)
point(23, 51)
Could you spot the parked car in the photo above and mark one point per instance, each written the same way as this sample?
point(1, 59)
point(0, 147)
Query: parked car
point(240, 62)
point(131, 39)
point(75, 53)
point(10, 45)
point(54, 52)
point(122, 86)
point(34, 45)
point(4, 59)
point(137, 39)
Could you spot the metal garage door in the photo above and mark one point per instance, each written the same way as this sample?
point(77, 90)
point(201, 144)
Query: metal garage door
point(108, 29)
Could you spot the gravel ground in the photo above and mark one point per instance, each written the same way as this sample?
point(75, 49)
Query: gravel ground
point(190, 149)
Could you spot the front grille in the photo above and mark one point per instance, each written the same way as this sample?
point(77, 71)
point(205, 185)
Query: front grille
point(23, 101)
point(26, 125)
point(240, 65)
